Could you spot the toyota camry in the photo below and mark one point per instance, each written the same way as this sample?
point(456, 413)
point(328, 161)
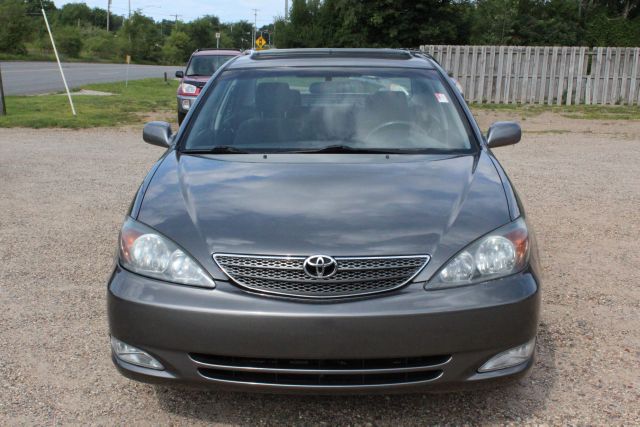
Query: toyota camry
point(325, 221)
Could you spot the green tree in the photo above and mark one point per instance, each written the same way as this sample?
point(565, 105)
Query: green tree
point(202, 31)
point(141, 38)
point(494, 22)
point(15, 26)
point(176, 49)
point(75, 14)
point(69, 41)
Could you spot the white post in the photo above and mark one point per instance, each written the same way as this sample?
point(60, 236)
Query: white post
point(64, 80)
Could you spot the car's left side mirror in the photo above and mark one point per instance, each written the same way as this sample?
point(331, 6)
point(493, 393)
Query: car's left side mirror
point(180, 74)
point(157, 133)
point(503, 133)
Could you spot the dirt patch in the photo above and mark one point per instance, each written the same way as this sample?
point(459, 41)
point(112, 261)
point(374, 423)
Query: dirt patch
point(63, 198)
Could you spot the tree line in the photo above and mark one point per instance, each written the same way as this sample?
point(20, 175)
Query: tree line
point(81, 31)
point(411, 23)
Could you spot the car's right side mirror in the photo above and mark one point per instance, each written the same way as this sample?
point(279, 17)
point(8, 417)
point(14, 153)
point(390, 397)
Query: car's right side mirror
point(157, 133)
point(503, 133)
point(180, 74)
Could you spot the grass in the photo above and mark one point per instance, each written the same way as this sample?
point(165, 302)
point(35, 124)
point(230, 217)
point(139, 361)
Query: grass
point(588, 112)
point(155, 98)
point(128, 105)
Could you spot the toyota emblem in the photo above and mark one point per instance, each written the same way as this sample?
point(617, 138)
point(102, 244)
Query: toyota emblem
point(320, 266)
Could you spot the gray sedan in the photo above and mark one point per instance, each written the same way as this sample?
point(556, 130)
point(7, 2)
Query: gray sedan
point(326, 221)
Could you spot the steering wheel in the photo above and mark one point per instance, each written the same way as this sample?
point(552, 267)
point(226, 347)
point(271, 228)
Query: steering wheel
point(416, 131)
point(391, 124)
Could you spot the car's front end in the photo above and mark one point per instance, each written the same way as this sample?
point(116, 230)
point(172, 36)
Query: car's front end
point(201, 66)
point(259, 265)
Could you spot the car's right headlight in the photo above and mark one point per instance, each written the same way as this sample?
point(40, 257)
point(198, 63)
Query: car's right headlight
point(144, 251)
point(502, 252)
point(188, 89)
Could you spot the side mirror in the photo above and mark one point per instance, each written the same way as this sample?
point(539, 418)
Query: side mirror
point(503, 133)
point(180, 74)
point(157, 133)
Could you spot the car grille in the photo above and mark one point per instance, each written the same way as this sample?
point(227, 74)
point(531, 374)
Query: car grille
point(354, 275)
point(320, 372)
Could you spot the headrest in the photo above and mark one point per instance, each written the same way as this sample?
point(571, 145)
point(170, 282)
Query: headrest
point(273, 97)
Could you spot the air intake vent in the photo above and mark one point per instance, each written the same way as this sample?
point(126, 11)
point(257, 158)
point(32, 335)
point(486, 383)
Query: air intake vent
point(320, 372)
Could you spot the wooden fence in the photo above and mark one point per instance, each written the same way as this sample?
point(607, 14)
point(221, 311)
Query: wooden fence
point(543, 74)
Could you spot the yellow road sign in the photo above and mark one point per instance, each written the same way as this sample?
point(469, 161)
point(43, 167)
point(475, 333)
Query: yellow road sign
point(260, 42)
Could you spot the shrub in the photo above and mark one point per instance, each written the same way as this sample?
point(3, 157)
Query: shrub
point(68, 41)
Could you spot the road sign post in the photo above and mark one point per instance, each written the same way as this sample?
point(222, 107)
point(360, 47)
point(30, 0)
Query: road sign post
point(3, 107)
point(217, 40)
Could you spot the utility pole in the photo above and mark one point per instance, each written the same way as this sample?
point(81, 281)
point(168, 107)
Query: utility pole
point(286, 10)
point(176, 15)
point(129, 9)
point(3, 108)
point(108, 13)
point(255, 26)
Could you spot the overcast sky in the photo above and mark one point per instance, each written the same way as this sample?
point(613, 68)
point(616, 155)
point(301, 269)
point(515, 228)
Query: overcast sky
point(227, 10)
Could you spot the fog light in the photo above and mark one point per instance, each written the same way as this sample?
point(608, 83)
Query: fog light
point(133, 355)
point(186, 104)
point(509, 358)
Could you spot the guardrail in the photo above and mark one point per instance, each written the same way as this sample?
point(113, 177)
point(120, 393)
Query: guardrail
point(553, 75)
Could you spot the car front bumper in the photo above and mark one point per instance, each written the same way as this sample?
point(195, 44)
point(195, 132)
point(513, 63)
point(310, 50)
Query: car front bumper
point(455, 330)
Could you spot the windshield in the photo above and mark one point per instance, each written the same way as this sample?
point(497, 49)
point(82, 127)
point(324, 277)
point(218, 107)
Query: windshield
point(206, 65)
point(329, 110)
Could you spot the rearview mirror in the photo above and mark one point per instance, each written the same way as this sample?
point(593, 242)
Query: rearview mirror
point(180, 74)
point(157, 133)
point(503, 133)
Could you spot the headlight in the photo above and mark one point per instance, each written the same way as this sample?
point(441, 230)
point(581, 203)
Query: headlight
point(187, 89)
point(500, 253)
point(148, 253)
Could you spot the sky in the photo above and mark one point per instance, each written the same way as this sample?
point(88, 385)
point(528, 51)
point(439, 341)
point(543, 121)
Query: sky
point(187, 10)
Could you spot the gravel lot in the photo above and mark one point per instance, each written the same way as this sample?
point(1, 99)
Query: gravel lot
point(63, 195)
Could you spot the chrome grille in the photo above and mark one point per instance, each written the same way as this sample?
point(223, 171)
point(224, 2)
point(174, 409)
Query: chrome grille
point(354, 275)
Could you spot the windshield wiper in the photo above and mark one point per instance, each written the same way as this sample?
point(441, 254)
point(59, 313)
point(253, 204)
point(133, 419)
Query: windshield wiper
point(346, 149)
point(218, 149)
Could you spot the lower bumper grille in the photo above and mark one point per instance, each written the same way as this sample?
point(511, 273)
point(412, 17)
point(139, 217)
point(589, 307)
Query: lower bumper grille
point(320, 373)
point(351, 276)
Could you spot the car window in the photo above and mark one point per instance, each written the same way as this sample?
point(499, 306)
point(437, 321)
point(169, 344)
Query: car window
point(206, 65)
point(307, 110)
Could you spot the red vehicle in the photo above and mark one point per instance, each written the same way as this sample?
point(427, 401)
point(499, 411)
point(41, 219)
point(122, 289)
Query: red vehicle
point(201, 66)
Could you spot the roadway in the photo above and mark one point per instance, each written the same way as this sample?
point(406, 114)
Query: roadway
point(29, 78)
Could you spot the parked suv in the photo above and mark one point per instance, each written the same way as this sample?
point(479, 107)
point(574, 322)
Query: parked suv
point(201, 66)
point(326, 221)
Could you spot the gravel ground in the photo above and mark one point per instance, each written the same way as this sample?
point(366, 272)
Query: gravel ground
point(63, 195)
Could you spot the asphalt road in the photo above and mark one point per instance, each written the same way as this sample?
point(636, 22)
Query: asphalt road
point(27, 78)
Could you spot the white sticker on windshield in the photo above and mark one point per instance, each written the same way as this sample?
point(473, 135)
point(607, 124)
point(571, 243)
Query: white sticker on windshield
point(441, 97)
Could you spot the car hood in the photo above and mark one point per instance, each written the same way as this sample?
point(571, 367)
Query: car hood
point(338, 205)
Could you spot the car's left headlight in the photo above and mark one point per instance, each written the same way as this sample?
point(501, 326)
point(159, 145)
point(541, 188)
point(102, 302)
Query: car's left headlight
point(502, 252)
point(144, 251)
